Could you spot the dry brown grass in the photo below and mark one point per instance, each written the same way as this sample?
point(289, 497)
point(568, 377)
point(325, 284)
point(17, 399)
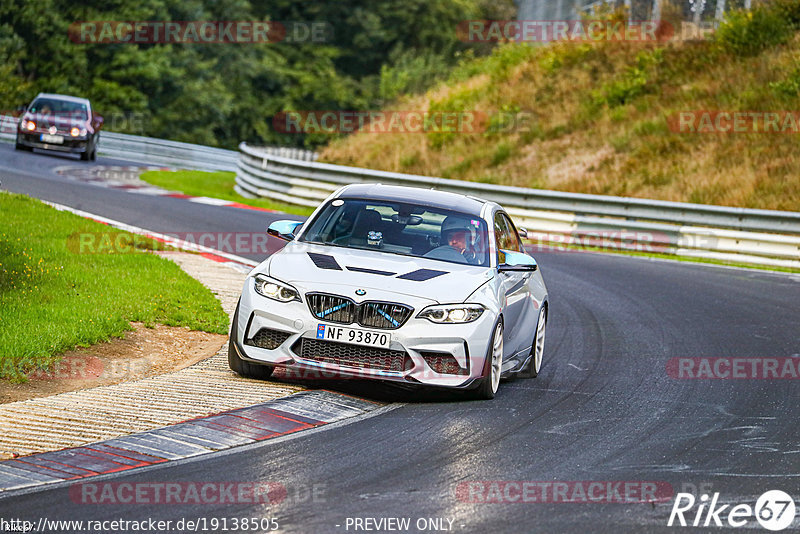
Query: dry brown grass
point(583, 142)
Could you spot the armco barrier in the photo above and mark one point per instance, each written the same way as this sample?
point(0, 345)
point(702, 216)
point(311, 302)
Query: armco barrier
point(764, 237)
point(292, 176)
point(164, 152)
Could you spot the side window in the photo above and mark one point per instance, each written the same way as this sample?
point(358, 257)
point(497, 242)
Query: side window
point(505, 233)
point(513, 237)
point(502, 234)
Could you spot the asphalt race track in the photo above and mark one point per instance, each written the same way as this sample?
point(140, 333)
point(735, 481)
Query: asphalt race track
point(604, 408)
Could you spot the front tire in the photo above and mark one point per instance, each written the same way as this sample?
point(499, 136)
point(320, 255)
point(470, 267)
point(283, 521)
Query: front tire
point(237, 364)
point(20, 146)
point(493, 367)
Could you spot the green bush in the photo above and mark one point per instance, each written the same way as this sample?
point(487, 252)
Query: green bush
point(789, 87)
point(498, 65)
point(632, 83)
point(411, 72)
point(789, 10)
point(746, 33)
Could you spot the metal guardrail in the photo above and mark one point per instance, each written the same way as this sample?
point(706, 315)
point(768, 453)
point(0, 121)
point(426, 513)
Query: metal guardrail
point(554, 218)
point(570, 219)
point(164, 152)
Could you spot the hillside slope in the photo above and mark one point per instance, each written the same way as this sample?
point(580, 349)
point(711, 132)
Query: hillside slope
point(600, 118)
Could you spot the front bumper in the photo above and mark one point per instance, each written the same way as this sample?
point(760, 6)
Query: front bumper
point(72, 145)
point(414, 341)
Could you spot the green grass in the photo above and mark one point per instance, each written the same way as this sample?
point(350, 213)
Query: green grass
point(215, 185)
point(54, 297)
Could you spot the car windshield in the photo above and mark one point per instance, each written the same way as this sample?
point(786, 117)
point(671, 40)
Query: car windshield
point(401, 228)
point(61, 108)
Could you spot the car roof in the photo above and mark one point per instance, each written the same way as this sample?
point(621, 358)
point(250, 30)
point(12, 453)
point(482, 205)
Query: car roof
point(64, 97)
point(415, 195)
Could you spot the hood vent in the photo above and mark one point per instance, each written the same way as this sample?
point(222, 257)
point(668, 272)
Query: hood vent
point(323, 261)
point(420, 275)
point(369, 271)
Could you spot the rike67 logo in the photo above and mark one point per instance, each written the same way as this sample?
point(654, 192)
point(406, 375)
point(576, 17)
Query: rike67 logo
point(774, 510)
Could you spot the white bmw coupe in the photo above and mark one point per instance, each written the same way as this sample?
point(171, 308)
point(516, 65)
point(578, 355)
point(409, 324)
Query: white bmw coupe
point(399, 284)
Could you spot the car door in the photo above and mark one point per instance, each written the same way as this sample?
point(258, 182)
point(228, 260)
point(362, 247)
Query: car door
point(519, 315)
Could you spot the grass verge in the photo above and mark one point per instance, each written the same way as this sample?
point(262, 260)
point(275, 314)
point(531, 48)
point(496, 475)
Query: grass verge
point(215, 185)
point(54, 298)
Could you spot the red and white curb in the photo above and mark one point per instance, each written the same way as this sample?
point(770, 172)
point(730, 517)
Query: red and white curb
point(126, 178)
point(204, 435)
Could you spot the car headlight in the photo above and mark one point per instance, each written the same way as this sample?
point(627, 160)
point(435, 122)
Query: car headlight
point(452, 313)
point(274, 289)
point(28, 125)
point(75, 132)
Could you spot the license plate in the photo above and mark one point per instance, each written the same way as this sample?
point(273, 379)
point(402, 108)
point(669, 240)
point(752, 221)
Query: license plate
point(355, 336)
point(54, 139)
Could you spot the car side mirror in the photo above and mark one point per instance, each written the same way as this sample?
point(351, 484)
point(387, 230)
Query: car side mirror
point(284, 229)
point(97, 121)
point(511, 261)
point(523, 233)
point(22, 109)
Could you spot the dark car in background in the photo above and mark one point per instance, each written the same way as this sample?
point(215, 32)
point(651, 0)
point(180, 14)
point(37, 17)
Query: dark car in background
point(61, 123)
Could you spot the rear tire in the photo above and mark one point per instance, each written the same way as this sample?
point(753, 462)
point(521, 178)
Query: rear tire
point(237, 364)
point(537, 349)
point(490, 382)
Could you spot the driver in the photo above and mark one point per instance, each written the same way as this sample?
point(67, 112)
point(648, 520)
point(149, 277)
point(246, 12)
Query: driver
point(456, 232)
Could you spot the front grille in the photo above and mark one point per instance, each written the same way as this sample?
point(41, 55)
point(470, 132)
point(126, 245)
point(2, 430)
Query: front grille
point(332, 308)
point(443, 363)
point(350, 355)
point(267, 338)
point(372, 314)
point(383, 314)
